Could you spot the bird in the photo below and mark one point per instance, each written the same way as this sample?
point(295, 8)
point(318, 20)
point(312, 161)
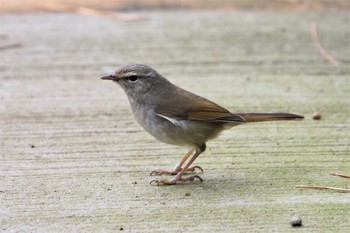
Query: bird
point(178, 117)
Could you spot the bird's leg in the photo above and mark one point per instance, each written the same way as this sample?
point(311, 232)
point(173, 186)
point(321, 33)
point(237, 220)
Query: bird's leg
point(179, 176)
point(178, 167)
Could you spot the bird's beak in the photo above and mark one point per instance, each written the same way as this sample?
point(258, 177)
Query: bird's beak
point(110, 77)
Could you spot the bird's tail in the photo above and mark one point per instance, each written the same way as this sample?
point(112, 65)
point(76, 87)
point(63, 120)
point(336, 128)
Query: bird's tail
point(257, 117)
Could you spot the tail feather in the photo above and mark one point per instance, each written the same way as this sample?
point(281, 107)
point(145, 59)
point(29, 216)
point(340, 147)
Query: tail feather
point(257, 117)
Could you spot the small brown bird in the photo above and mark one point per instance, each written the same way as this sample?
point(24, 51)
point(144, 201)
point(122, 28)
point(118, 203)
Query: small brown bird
point(176, 116)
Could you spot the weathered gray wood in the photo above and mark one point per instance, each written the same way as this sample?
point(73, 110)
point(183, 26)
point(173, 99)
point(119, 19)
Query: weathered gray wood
point(89, 166)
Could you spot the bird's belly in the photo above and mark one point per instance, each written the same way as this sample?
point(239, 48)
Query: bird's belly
point(190, 133)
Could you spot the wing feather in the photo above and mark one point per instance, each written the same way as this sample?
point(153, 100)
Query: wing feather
point(195, 108)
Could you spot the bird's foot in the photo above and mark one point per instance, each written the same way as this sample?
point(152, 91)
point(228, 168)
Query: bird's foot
point(176, 179)
point(175, 171)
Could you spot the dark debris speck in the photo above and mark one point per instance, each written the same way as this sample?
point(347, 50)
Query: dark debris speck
point(296, 221)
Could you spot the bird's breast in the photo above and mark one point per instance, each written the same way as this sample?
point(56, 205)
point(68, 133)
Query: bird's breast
point(172, 131)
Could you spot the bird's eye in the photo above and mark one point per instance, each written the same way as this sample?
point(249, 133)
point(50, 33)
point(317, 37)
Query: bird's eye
point(133, 78)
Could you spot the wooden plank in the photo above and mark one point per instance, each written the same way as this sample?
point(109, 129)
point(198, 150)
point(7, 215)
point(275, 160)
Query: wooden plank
point(74, 159)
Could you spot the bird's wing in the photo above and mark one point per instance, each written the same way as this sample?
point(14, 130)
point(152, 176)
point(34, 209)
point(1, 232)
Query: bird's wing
point(195, 108)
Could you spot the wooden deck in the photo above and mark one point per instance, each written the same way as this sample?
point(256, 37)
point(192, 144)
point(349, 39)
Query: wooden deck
point(72, 157)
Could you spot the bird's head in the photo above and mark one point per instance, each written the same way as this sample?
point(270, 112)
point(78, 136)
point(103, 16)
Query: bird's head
point(136, 79)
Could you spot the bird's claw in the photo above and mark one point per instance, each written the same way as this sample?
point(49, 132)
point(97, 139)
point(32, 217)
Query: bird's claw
point(160, 172)
point(192, 169)
point(176, 179)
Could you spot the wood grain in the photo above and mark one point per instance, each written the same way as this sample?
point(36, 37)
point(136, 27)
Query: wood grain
point(74, 159)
